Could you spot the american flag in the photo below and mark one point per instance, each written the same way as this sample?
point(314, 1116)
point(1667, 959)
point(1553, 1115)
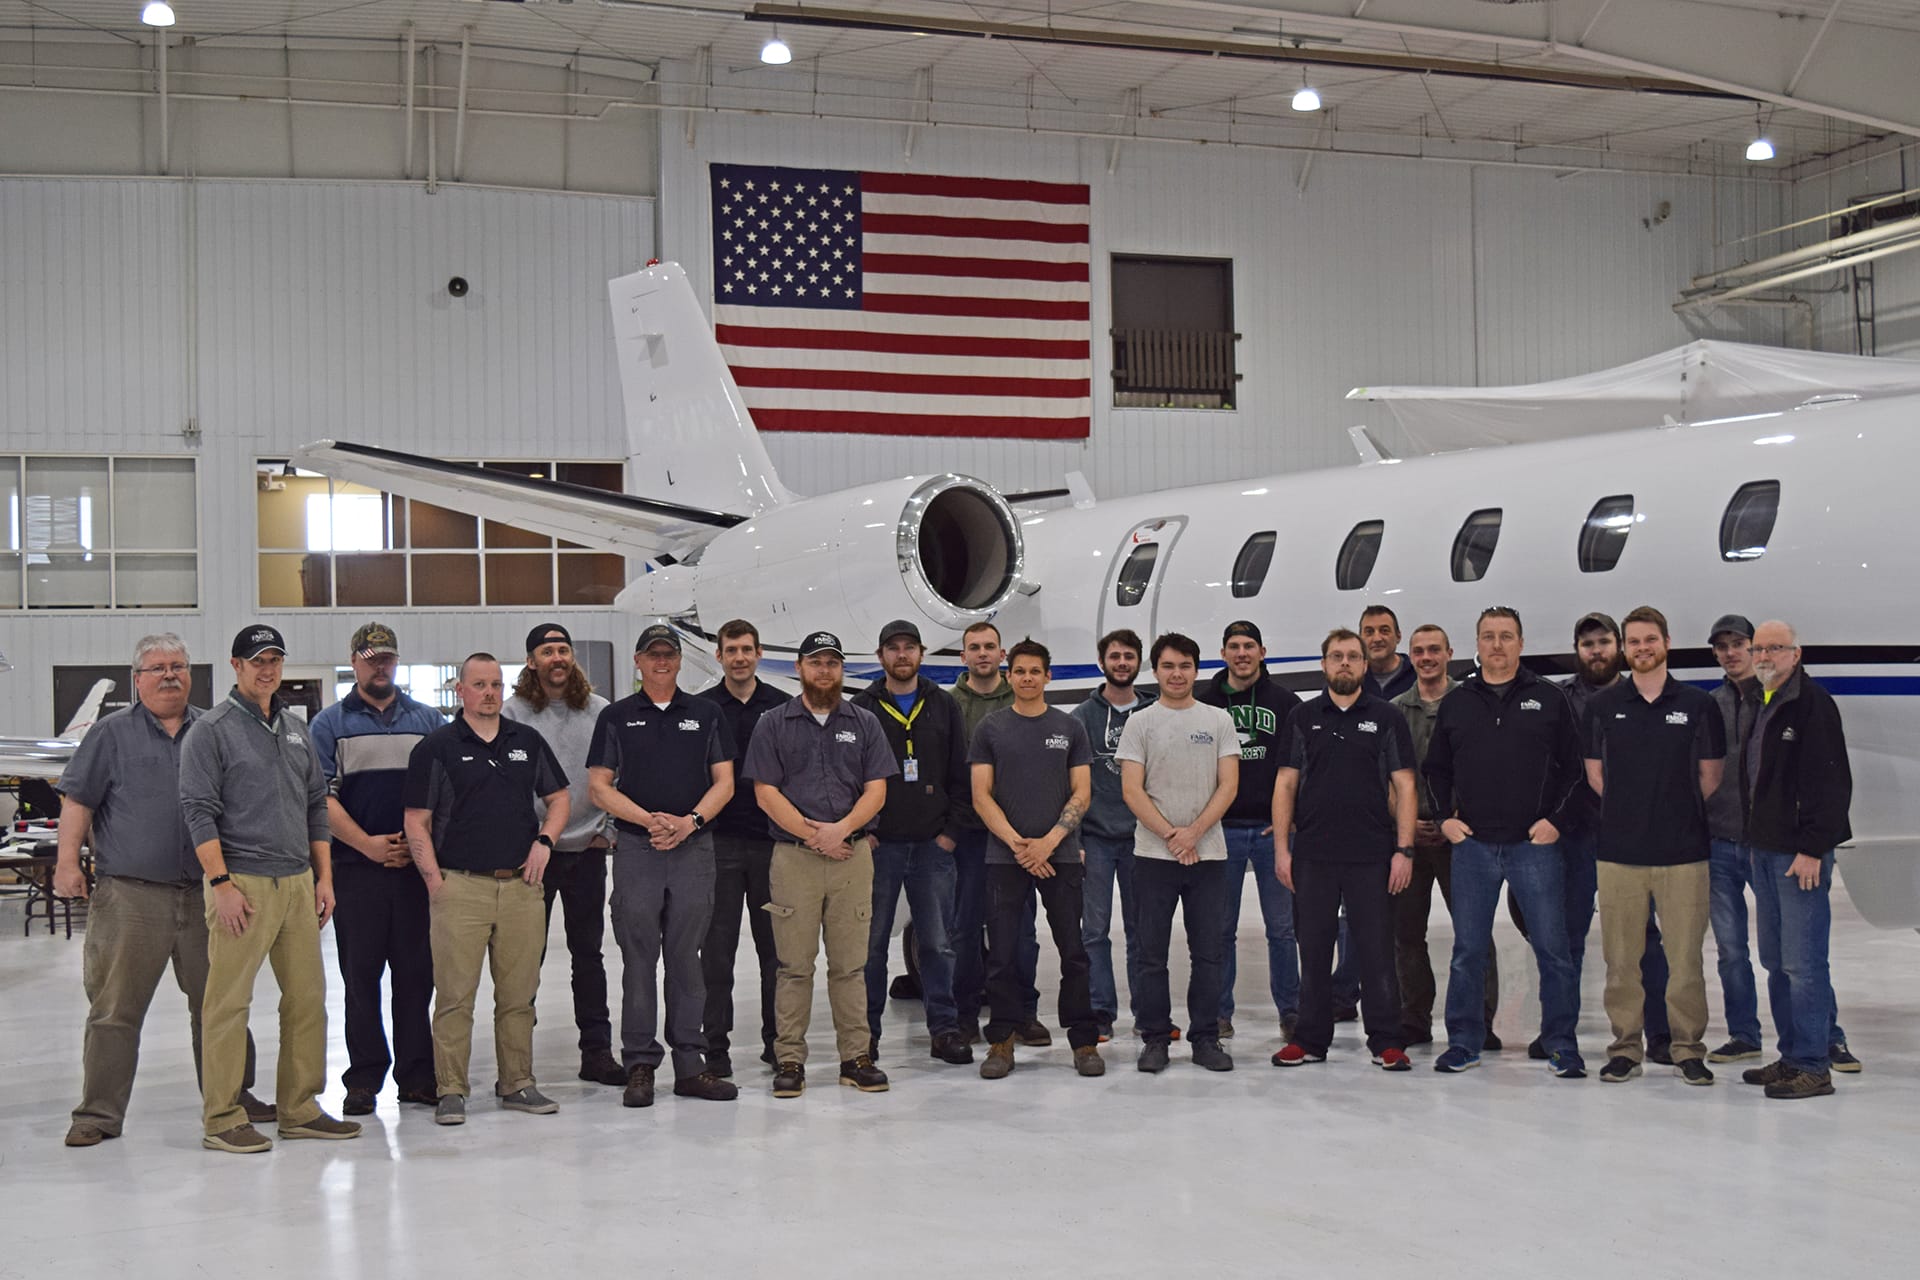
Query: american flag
point(904, 304)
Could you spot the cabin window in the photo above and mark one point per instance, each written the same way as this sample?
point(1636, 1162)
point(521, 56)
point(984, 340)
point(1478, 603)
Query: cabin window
point(1604, 536)
point(1135, 574)
point(1748, 522)
point(1357, 555)
point(1251, 565)
point(1473, 545)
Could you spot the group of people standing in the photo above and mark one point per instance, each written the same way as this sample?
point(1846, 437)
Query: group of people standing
point(227, 839)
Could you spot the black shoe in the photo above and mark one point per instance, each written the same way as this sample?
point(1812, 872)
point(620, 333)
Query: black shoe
point(1843, 1060)
point(1492, 1044)
point(860, 1073)
point(639, 1087)
point(705, 1085)
point(949, 1047)
point(1660, 1051)
point(873, 1047)
point(421, 1097)
point(359, 1102)
point(789, 1080)
point(1347, 1013)
point(766, 1056)
point(1619, 1070)
point(598, 1066)
point(720, 1064)
point(1209, 1054)
point(1773, 1073)
point(1734, 1050)
point(1153, 1058)
point(970, 1030)
point(1538, 1050)
point(1032, 1034)
point(1801, 1084)
point(903, 987)
point(1693, 1071)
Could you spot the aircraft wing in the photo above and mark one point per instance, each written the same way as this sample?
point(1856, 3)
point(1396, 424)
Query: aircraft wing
point(36, 757)
point(576, 513)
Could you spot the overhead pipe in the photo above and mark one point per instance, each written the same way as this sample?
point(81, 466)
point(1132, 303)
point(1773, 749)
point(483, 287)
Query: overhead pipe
point(460, 106)
point(1818, 268)
point(160, 62)
point(407, 165)
point(433, 129)
point(1839, 247)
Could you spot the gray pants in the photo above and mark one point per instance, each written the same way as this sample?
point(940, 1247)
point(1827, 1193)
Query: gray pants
point(135, 929)
point(662, 901)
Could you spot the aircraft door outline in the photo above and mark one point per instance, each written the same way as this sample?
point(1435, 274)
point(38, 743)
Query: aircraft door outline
point(1131, 597)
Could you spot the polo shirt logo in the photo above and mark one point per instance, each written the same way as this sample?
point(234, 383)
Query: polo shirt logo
point(517, 754)
point(1787, 734)
point(295, 739)
point(466, 759)
point(636, 724)
point(1676, 717)
point(1201, 738)
point(1368, 726)
point(846, 735)
point(1058, 742)
point(1530, 705)
point(690, 726)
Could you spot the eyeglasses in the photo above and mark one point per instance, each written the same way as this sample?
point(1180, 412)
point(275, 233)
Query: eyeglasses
point(1775, 648)
point(169, 669)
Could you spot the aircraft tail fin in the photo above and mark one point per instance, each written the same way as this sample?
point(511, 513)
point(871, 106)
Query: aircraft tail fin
point(690, 439)
point(88, 712)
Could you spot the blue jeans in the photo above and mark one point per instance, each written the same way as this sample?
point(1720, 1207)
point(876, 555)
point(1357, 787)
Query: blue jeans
point(967, 930)
point(1246, 844)
point(1109, 860)
point(1730, 867)
point(927, 871)
point(1583, 885)
point(1535, 875)
point(1794, 926)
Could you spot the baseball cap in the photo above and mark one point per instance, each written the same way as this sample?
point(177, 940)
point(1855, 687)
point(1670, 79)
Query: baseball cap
point(374, 639)
point(899, 627)
point(1242, 628)
point(548, 633)
point(1593, 620)
point(1734, 622)
point(258, 639)
point(658, 633)
point(822, 642)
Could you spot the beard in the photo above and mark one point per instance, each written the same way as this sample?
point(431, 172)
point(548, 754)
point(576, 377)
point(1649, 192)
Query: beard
point(555, 676)
point(1121, 682)
point(1650, 662)
point(1345, 686)
point(820, 699)
point(1600, 671)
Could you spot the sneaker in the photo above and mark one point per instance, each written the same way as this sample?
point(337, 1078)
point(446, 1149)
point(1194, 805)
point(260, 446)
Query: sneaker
point(1773, 1073)
point(451, 1109)
point(1226, 1028)
point(1660, 1051)
point(1492, 1044)
point(1392, 1060)
point(1347, 1013)
point(359, 1102)
point(1455, 1059)
point(1209, 1054)
point(639, 1092)
point(1619, 1070)
point(1693, 1071)
point(860, 1073)
point(421, 1097)
point(790, 1080)
point(258, 1112)
point(531, 1101)
point(1842, 1060)
point(1801, 1084)
point(1088, 1062)
point(1033, 1035)
point(1735, 1050)
point(1153, 1058)
point(1537, 1050)
point(1174, 1032)
point(1293, 1055)
point(951, 1047)
point(599, 1066)
point(1567, 1066)
point(1106, 1031)
point(322, 1126)
point(999, 1060)
point(705, 1085)
point(720, 1064)
point(83, 1134)
point(241, 1140)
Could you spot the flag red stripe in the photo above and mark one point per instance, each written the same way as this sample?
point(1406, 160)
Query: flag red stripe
point(926, 264)
point(917, 184)
point(1003, 308)
point(921, 384)
point(922, 344)
point(892, 424)
point(925, 224)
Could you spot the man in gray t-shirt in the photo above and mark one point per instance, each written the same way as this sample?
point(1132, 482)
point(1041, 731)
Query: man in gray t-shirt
point(1032, 782)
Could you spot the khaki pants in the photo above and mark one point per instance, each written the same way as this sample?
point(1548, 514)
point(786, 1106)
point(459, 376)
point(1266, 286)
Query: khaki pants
point(1680, 895)
point(135, 929)
point(811, 895)
point(501, 922)
point(284, 932)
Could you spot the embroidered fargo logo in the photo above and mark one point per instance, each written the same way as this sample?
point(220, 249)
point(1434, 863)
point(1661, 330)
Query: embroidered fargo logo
point(1201, 738)
point(690, 725)
point(1058, 742)
point(1531, 704)
point(1368, 726)
point(518, 753)
point(846, 735)
point(1676, 717)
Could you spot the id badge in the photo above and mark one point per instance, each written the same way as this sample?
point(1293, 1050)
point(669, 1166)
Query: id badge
point(910, 769)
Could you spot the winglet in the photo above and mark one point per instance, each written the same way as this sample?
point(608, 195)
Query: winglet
point(1368, 448)
point(1081, 491)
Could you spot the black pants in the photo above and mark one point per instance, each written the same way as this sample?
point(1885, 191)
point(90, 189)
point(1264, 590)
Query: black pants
point(1200, 891)
point(741, 870)
point(1411, 961)
point(380, 923)
point(1319, 889)
point(1010, 892)
point(579, 880)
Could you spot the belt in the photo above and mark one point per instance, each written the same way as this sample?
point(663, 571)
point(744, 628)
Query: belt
point(505, 873)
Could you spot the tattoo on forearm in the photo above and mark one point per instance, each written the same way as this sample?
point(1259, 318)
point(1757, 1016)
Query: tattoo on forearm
point(1070, 816)
point(421, 851)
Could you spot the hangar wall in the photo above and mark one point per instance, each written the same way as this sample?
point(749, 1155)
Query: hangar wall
point(1886, 171)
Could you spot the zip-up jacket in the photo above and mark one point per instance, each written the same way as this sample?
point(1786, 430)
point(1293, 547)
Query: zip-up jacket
point(1108, 814)
point(1740, 706)
point(1420, 727)
point(935, 803)
point(1500, 764)
point(975, 707)
point(1801, 783)
point(1260, 714)
point(254, 784)
point(1583, 806)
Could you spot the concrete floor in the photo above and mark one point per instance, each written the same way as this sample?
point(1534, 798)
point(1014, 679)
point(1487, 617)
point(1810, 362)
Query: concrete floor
point(1499, 1172)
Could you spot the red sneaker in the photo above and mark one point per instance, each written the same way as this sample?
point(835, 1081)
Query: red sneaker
point(1392, 1060)
point(1293, 1056)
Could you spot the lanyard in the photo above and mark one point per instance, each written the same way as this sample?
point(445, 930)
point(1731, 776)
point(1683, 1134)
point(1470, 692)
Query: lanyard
point(886, 705)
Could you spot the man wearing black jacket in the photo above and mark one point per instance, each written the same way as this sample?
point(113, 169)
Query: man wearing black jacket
point(1502, 765)
point(914, 835)
point(1798, 787)
point(1259, 708)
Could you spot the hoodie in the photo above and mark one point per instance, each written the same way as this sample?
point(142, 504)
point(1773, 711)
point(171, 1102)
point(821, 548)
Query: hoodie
point(1108, 814)
point(1260, 714)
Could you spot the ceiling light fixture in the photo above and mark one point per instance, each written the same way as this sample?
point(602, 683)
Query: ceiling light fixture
point(1760, 148)
point(1306, 99)
point(158, 13)
point(775, 52)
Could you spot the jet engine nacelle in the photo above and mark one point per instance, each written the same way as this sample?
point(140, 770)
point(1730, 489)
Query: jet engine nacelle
point(945, 548)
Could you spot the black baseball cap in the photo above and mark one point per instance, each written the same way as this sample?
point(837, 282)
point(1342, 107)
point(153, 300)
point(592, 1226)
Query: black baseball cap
point(548, 633)
point(258, 639)
point(822, 642)
point(658, 633)
point(1739, 624)
point(1593, 621)
point(1242, 628)
point(900, 627)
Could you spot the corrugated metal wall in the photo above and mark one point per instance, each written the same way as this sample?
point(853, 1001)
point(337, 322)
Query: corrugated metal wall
point(322, 312)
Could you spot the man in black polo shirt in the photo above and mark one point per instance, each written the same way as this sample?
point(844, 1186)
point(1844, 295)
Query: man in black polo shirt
point(481, 848)
point(662, 766)
point(1655, 748)
point(1345, 793)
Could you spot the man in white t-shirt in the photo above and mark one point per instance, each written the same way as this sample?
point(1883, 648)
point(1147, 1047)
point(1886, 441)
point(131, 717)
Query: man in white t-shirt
point(1179, 771)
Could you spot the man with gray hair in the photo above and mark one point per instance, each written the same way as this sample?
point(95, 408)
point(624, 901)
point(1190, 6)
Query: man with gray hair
point(121, 795)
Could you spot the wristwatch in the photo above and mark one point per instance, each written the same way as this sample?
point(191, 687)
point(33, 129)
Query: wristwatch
point(545, 839)
point(698, 821)
point(214, 882)
point(1405, 849)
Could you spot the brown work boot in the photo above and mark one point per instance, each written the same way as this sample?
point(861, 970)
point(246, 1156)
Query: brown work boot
point(258, 1112)
point(322, 1126)
point(241, 1140)
point(639, 1087)
point(1088, 1062)
point(83, 1134)
point(999, 1060)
